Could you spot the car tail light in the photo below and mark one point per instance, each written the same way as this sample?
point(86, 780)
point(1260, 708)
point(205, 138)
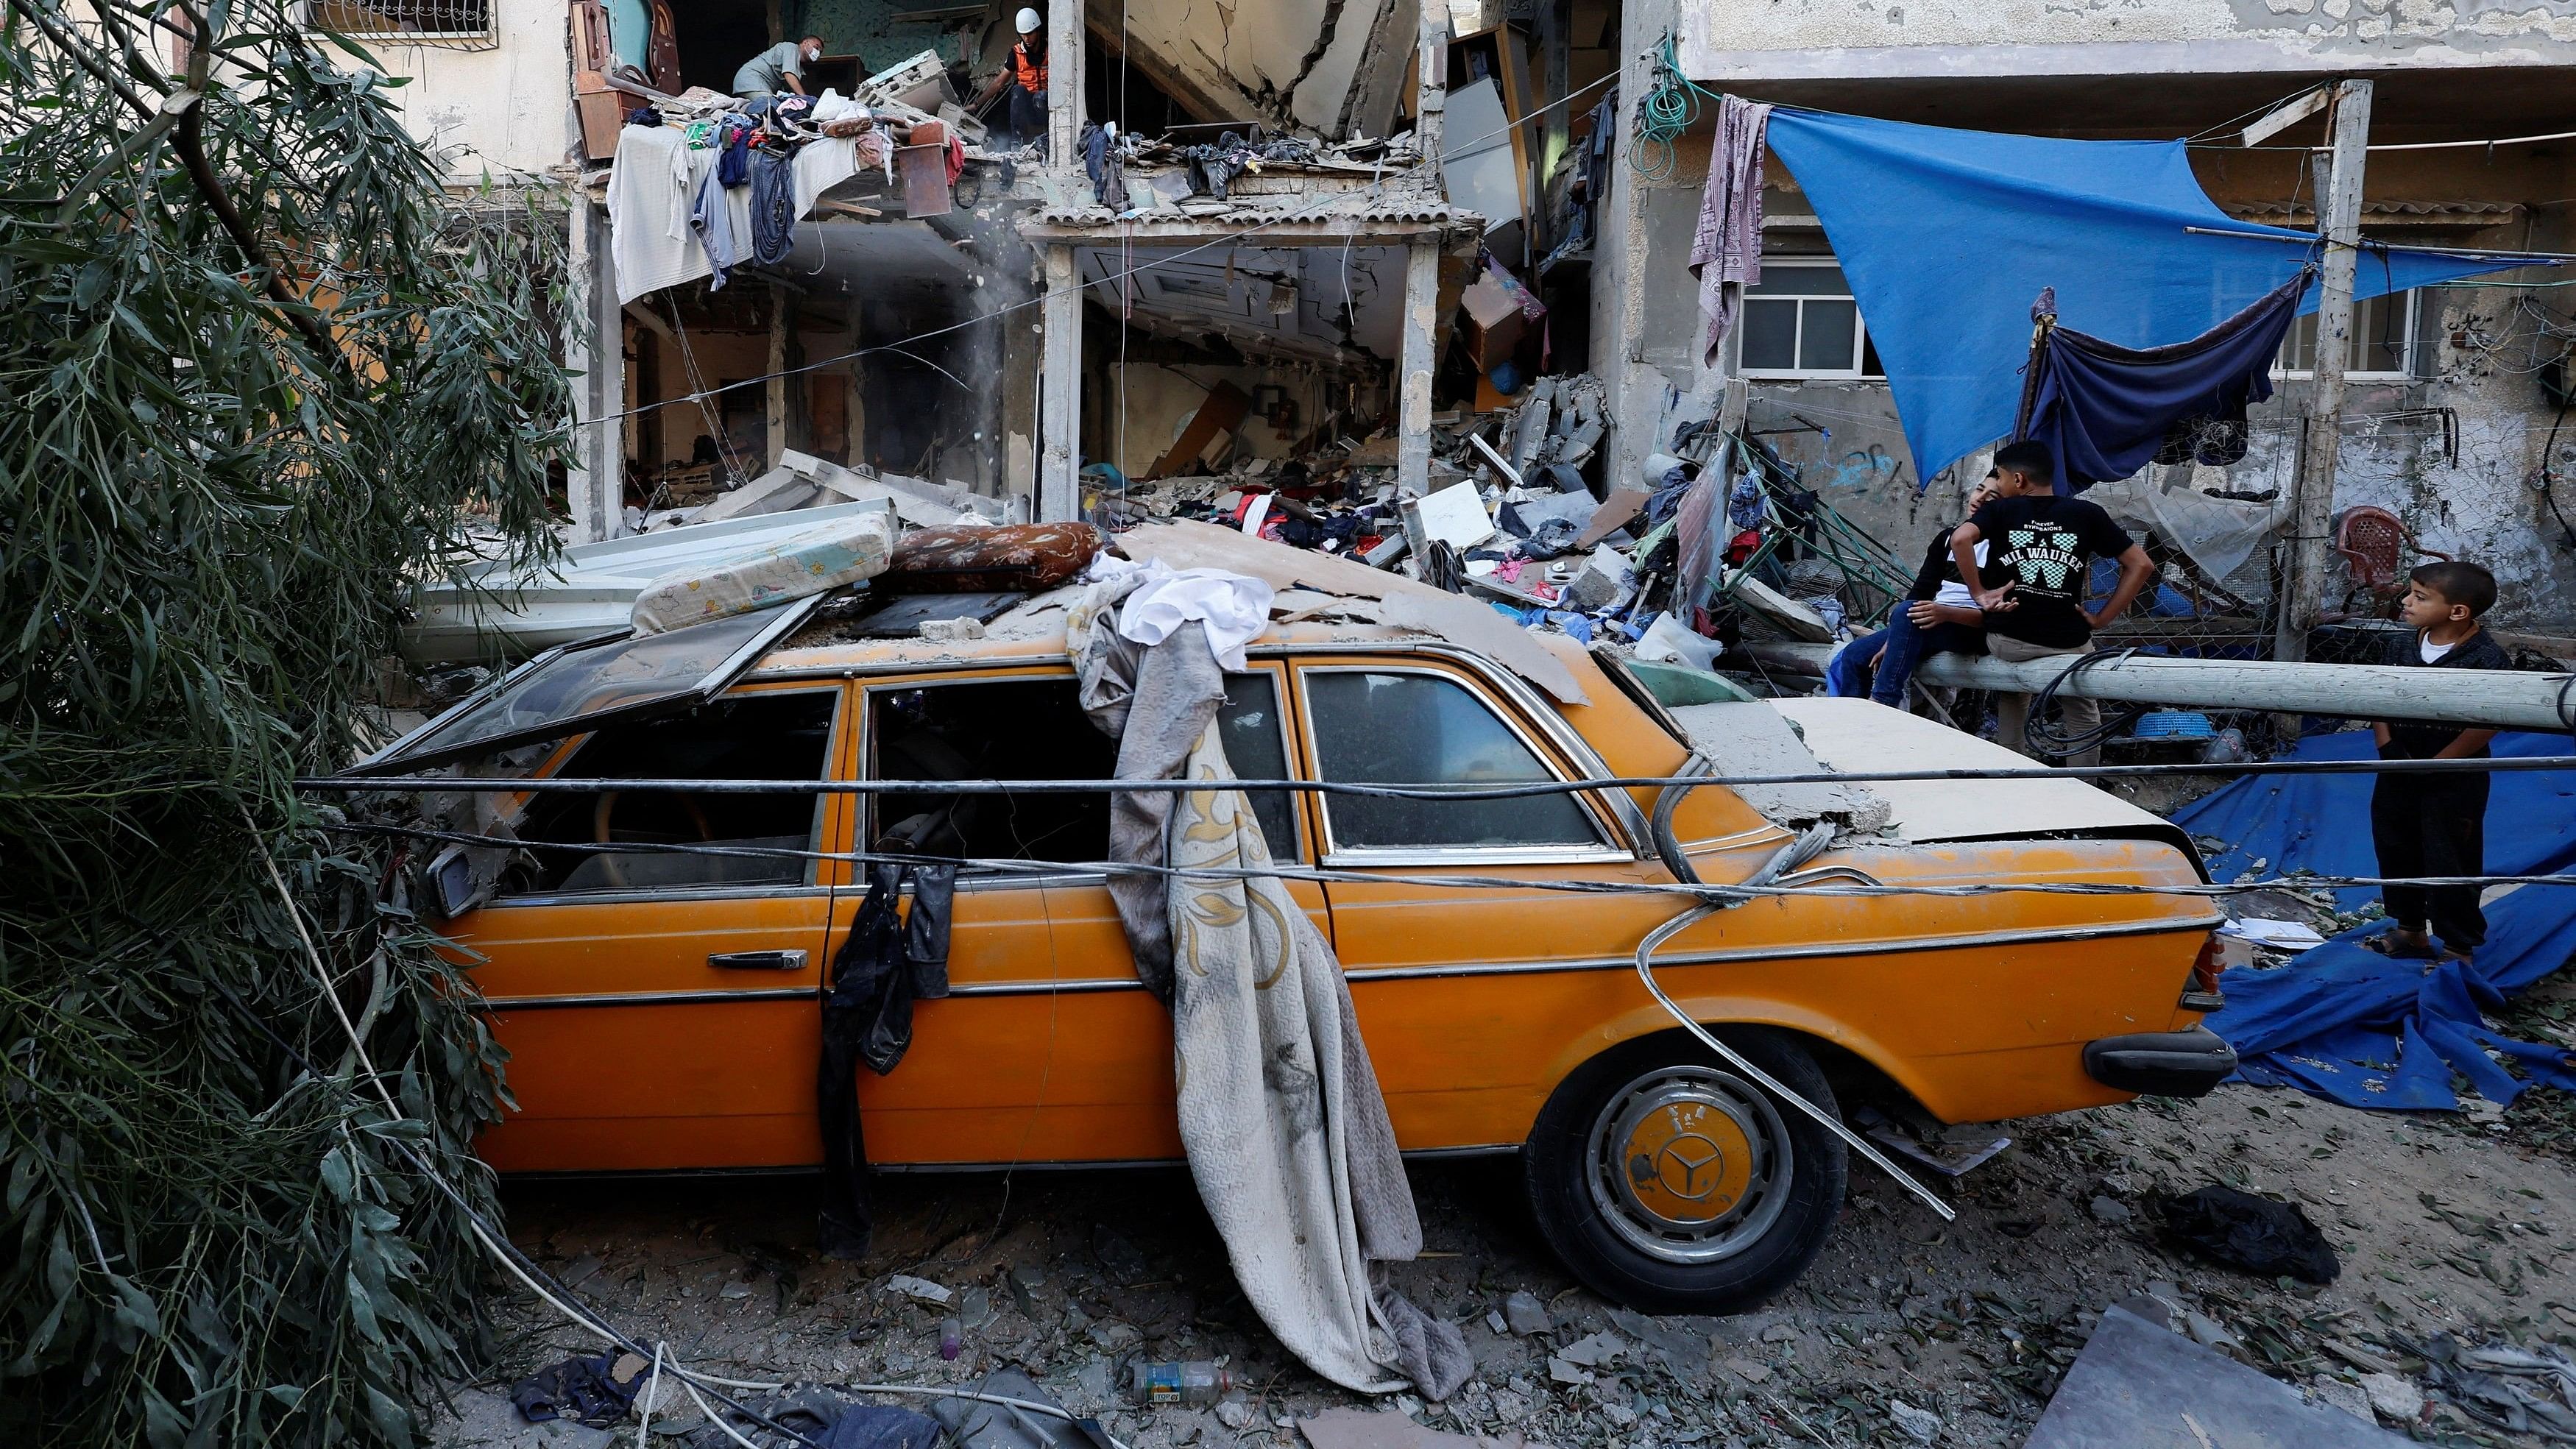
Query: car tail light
point(2201, 992)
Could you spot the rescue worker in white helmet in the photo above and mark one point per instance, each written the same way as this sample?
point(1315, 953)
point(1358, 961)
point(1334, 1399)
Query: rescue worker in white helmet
point(1026, 80)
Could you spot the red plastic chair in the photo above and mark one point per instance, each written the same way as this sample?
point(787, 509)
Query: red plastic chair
point(2373, 542)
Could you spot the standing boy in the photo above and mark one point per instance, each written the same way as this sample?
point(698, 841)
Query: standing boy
point(2436, 824)
point(2046, 547)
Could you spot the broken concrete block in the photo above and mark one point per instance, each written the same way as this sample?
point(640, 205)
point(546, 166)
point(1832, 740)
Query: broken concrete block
point(1602, 583)
point(1525, 1315)
point(1454, 515)
point(2393, 1398)
point(2335, 1393)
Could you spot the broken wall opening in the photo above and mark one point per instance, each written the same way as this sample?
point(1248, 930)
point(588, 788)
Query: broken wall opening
point(1269, 362)
point(876, 345)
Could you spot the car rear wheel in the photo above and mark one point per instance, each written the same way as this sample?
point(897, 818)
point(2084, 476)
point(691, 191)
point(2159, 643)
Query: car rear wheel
point(1669, 1181)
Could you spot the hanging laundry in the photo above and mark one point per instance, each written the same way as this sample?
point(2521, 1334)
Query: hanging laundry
point(1726, 251)
point(648, 211)
point(1105, 162)
point(733, 167)
point(712, 219)
point(887, 963)
point(773, 207)
point(2104, 410)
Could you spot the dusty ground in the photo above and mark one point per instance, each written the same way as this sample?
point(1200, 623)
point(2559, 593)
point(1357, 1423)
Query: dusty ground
point(2458, 1224)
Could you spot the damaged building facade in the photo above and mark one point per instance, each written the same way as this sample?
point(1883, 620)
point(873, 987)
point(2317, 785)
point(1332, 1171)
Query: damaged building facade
point(2454, 393)
point(1241, 252)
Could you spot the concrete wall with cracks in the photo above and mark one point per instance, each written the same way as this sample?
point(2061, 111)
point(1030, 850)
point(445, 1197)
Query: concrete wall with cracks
point(1332, 67)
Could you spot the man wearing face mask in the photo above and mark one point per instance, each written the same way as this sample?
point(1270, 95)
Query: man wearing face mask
point(779, 68)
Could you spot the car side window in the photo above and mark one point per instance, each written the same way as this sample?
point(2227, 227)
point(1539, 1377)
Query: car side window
point(1035, 729)
point(770, 735)
point(1384, 727)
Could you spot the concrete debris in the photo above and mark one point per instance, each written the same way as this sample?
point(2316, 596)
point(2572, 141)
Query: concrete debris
point(1920, 1425)
point(920, 1290)
point(1525, 1315)
point(2393, 1398)
point(2334, 1393)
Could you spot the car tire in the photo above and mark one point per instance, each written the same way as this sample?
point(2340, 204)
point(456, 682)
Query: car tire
point(1670, 1182)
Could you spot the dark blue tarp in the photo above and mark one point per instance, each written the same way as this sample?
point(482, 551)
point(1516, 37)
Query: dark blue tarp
point(2347, 1023)
point(2103, 410)
point(1948, 236)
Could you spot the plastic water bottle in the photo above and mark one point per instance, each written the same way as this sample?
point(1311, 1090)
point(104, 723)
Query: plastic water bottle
point(1198, 1381)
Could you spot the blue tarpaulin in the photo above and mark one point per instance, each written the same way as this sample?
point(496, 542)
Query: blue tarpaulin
point(1948, 236)
point(2346, 1023)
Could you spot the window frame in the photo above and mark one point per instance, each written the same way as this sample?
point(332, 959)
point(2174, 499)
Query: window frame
point(1607, 833)
point(829, 834)
point(1797, 344)
point(2405, 373)
point(489, 35)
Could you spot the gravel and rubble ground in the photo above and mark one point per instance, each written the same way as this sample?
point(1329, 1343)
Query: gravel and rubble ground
point(1906, 1330)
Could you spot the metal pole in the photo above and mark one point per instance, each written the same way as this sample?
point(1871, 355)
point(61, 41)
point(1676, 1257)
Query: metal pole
point(2312, 508)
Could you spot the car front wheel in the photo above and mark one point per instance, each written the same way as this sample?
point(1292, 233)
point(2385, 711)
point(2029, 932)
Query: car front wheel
point(1669, 1181)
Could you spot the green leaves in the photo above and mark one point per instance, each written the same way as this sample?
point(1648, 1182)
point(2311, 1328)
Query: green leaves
point(207, 537)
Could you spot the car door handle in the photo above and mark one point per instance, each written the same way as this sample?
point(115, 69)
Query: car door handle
point(758, 961)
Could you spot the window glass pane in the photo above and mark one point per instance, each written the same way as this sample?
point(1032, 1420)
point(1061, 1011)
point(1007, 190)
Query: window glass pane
point(1770, 335)
point(620, 673)
point(766, 736)
point(1012, 729)
point(1783, 279)
point(1826, 342)
point(1408, 729)
point(2379, 334)
point(1248, 723)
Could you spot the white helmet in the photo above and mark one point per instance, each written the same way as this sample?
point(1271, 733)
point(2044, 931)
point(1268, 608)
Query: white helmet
point(1029, 21)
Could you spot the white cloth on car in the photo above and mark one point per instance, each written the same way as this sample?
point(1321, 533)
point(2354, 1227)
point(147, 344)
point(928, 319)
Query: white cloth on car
point(1280, 1113)
point(1234, 608)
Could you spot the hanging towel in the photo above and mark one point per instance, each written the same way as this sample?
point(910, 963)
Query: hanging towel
point(2104, 410)
point(1280, 1113)
point(773, 207)
point(649, 201)
point(1726, 252)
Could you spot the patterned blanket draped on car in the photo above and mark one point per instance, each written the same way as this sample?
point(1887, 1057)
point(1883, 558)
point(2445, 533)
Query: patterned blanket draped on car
point(1280, 1113)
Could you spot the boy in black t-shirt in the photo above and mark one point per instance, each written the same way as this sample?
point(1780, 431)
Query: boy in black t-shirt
point(2046, 544)
point(2436, 824)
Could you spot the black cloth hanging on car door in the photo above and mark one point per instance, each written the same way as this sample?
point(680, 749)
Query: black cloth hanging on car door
point(888, 961)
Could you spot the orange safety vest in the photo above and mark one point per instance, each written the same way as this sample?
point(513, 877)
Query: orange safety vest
point(1030, 78)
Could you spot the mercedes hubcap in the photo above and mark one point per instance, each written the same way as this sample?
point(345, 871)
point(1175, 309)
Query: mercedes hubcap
point(1689, 1164)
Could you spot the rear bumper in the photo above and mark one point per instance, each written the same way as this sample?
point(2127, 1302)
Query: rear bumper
point(2161, 1063)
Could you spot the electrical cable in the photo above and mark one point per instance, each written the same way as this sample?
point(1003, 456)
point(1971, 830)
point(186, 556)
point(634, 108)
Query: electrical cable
point(2058, 742)
point(484, 785)
point(553, 1294)
point(1046, 870)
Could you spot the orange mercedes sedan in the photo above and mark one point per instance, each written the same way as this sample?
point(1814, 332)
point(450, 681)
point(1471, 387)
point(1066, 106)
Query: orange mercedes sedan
point(661, 1008)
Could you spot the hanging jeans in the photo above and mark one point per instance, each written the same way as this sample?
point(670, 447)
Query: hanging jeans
point(2012, 710)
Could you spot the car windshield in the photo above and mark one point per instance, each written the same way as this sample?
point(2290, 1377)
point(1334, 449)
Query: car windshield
point(580, 686)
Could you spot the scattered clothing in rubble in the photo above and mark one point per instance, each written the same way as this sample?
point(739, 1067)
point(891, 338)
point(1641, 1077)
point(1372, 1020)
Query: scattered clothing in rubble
point(2266, 1238)
point(773, 207)
point(974, 1424)
point(578, 1390)
point(1104, 160)
point(2105, 410)
point(886, 964)
point(1280, 1113)
point(1726, 250)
